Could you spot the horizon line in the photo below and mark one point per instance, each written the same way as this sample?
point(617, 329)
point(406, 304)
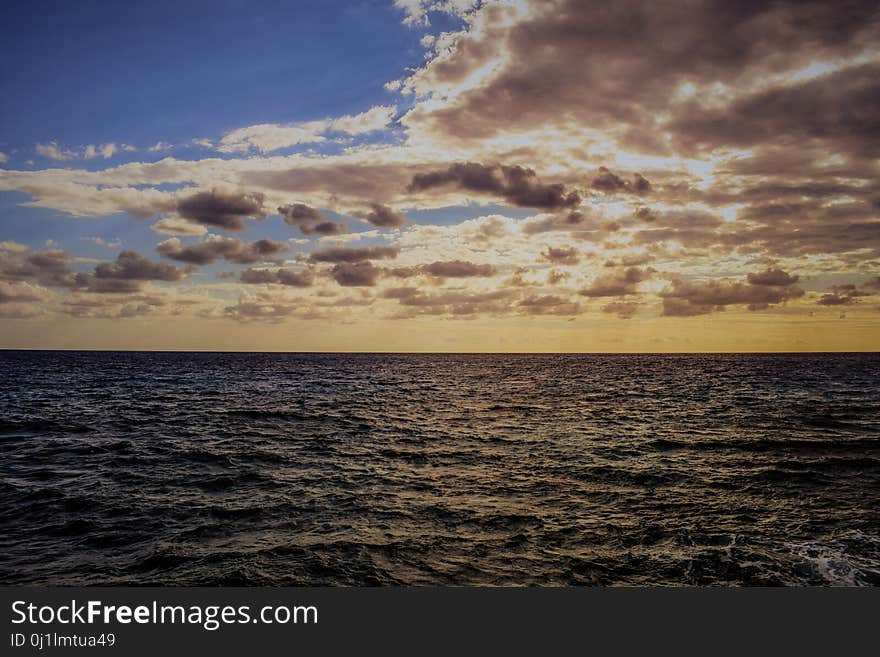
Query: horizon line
point(430, 353)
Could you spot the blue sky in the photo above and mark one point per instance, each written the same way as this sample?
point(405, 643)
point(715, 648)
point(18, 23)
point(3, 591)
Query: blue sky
point(128, 72)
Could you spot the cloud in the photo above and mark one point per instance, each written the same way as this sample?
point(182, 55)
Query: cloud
point(618, 284)
point(226, 210)
point(458, 269)
point(343, 254)
point(443, 269)
point(351, 178)
point(623, 309)
point(49, 267)
point(271, 310)
point(515, 184)
point(608, 182)
point(20, 293)
point(416, 11)
point(750, 128)
point(382, 216)
point(452, 302)
point(105, 151)
point(355, 274)
point(562, 256)
point(132, 266)
point(684, 299)
point(772, 276)
point(177, 226)
point(4, 158)
point(268, 137)
point(549, 304)
point(309, 220)
point(577, 223)
point(624, 70)
point(842, 295)
point(226, 248)
point(54, 152)
point(291, 277)
point(836, 108)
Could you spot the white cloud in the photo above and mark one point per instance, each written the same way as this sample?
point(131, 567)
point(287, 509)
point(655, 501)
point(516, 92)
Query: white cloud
point(160, 146)
point(3, 157)
point(14, 247)
point(373, 119)
point(104, 150)
point(268, 137)
point(111, 243)
point(178, 226)
point(54, 152)
point(417, 10)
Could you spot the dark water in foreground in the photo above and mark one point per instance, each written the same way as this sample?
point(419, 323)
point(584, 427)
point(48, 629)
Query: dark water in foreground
point(293, 469)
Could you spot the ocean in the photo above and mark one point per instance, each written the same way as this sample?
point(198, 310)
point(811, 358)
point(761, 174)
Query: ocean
point(408, 469)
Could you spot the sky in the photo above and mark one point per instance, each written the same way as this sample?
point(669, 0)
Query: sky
point(440, 175)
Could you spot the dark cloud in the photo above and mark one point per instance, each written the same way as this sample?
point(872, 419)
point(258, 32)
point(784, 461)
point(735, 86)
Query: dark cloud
point(838, 108)
point(132, 266)
point(619, 67)
point(684, 299)
point(631, 260)
point(578, 224)
point(49, 267)
point(452, 302)
point(457, 269)
point(772, 276)
point(354, 254)
point(562, 256)
point(548, 304)
point(89, 283)
point(226, 248)
point(382, 216)
point(442, 269)
point(125, 275)
point(403, 272)
point(609, 182)
point(360, 181)
point(356, 274)
point(226, 210)
point(693, 229)
point(842, 295)
point(813, 236)
point(618, 284)
point(309, 220)
point(291, 277)
point(623, 309)
point(515, 184)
